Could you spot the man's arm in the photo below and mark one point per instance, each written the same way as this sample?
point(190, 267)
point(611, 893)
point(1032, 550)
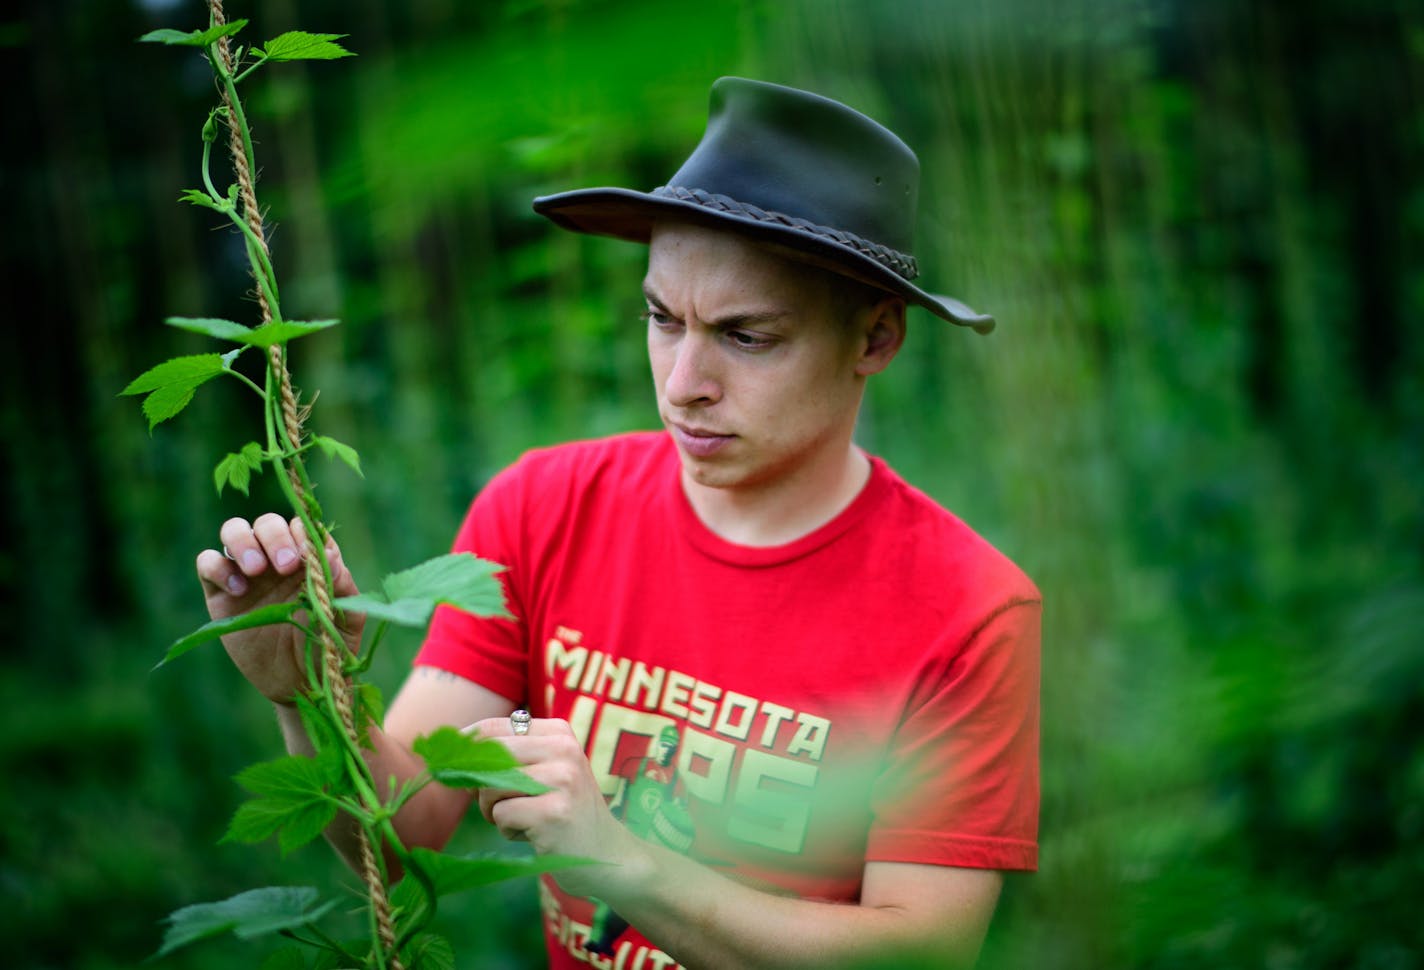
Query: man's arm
point(264, 565)
point(908, 915)
point(921, 915)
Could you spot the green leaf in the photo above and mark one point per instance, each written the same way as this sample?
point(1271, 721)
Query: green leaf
point(409, 904)
point(199, 197)
point(256, 820)
point(332, 960)
point(325, 740)
point(460, 579)
point(371, 703)
point(287, 958)
point(291, 800)
point(171, 384)
point(412, 613)
point(265, 336)
point(261, 616)
point(222, 329)
point(167, 402)
point(460, 760)
point(430, 952)
point(510, 780)
point(167, 35)
point(237, 468)
point(272, 333)
point(298, 45)
point(305, 825)
point(197, 368)
point(247, 915)
point(291, 776)
point(453, 874)
point(336, 449)
point(194, 38)
point(449, 747)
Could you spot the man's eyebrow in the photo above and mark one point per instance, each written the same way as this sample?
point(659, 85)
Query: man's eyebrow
point(730, 321)
point(652, 297)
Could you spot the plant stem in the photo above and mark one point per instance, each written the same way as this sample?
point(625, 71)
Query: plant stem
point(234, 103)
point(261, 265)
point(248, 381)
point(261, 59)
point(323, 941)
point(268, 422)
point(362, 663)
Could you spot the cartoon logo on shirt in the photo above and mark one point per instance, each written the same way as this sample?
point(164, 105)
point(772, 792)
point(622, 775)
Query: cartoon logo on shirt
point(647, 802)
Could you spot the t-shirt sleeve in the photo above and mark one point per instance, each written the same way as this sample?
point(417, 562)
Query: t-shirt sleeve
point(961, 784)
point(490, 652)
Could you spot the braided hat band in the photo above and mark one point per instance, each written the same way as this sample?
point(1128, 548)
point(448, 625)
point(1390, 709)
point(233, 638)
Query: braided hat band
point(903, 265)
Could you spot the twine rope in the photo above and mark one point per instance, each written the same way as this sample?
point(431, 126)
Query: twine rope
point(331, 652)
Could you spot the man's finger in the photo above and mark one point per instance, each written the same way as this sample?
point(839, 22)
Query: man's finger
point(511, 829)
point(241, 545)
point(504, 727)
point(278, 543)
point(506, 809)
point(219, 574)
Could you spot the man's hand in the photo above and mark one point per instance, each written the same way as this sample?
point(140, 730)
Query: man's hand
point(922, 915)
point(263, 565)
point(570, 819)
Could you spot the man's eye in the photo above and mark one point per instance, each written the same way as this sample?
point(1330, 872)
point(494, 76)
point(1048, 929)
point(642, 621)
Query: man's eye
point(748, 341)
point(657, 318)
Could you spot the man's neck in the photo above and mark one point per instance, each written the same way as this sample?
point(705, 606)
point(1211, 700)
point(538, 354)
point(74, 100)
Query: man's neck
point(783, 511)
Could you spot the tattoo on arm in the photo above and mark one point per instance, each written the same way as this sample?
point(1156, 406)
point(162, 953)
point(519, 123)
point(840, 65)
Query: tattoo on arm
point(438, 674)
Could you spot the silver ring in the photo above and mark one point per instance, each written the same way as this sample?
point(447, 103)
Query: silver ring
point(227, 555)
point(519, 722)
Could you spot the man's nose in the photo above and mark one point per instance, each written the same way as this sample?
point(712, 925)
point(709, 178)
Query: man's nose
point(693, 379)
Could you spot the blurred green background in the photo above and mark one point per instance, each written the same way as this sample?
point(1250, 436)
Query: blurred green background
point(1199, 427)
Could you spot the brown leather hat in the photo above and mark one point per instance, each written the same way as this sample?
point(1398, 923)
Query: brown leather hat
point(791, 168)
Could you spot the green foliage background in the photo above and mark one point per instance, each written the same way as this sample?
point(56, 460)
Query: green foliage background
point(1200, 426)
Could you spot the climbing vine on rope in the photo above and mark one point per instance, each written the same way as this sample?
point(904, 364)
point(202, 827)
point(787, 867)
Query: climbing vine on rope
point(296, 798)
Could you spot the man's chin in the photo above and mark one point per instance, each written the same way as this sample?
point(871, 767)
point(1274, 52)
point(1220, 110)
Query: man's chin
point(706, 473)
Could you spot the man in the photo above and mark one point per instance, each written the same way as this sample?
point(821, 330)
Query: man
point(851, 671)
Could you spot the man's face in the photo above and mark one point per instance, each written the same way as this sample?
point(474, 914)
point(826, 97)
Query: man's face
point(757, 366)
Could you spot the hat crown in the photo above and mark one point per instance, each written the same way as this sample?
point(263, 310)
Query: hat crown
point(798, 154)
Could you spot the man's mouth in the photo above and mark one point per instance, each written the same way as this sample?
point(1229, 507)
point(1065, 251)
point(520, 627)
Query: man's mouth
point(699, 442)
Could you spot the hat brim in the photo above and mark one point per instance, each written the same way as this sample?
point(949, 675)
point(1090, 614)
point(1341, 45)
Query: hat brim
point(629, 214)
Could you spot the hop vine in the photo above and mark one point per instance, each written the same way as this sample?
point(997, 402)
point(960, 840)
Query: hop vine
point(295, 798)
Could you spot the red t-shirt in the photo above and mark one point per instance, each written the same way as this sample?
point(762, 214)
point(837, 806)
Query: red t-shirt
point(866, 692)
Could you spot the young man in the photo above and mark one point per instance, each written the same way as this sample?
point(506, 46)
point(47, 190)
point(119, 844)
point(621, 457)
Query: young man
point(851, 673)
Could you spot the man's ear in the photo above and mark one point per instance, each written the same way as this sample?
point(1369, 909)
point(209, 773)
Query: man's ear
point(883, 332)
